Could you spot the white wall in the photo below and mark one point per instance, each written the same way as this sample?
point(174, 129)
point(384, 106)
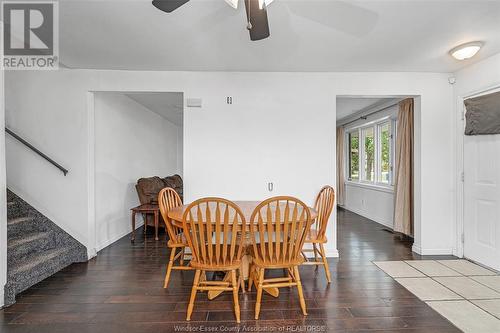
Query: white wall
point(50, 111)
point(3, 198)
point(180, 150)
point(474, 79)
point(280, 128)
point(130, 142)
point(373, 202)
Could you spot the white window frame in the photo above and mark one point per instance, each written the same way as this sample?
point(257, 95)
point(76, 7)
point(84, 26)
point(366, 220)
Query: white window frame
point(347, 171)
point(376, 125)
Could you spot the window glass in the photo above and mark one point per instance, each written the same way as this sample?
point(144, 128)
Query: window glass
point(385, 153)
point(369, 154)
point(353, 155)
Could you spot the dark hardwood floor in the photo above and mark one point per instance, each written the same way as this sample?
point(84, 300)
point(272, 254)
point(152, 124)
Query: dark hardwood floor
point(121, 291)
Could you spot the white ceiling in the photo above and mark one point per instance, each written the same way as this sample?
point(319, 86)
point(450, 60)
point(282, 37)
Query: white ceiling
point(348, 106)
point(310, 35)
point(167, 104)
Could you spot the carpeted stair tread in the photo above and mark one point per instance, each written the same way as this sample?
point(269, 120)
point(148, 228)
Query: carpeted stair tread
point(28, 238)
point(20, 226)
point(43, 260)
point(19, 220)
point(36, 247)
point(18, 247)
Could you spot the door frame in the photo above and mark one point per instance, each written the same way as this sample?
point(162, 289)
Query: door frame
point(460, 165)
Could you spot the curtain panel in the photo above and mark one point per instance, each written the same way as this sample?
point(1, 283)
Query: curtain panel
point(403, 186)
point(340, 166)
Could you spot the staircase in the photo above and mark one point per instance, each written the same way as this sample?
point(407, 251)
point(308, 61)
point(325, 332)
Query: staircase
point(36, 247)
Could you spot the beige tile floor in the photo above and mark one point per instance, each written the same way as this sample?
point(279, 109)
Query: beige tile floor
point(466, 294)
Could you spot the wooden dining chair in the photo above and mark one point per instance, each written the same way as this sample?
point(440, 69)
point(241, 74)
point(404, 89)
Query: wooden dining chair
point(317, 235)
point(278, 228)
point(214, 230)
point(168, 199)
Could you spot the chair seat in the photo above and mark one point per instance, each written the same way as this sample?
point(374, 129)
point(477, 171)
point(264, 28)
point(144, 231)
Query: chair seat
point(312, 237)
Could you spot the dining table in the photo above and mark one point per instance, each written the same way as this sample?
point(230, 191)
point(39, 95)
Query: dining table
point(247, 207)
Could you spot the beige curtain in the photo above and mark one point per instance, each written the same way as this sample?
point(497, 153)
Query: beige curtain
point(403, 185)
point(340, 166)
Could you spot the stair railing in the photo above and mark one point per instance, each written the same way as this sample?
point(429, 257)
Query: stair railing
point(30, 146)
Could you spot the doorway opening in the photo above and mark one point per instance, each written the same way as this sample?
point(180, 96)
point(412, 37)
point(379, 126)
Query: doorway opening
point(375, 153)
point(136, 135)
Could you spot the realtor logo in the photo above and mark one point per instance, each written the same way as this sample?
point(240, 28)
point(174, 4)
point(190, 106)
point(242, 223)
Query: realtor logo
point(30, 35)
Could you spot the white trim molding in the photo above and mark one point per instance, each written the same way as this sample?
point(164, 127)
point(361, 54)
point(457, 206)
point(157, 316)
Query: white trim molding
point(388, 224)
point(333, 253)
point(431, 252)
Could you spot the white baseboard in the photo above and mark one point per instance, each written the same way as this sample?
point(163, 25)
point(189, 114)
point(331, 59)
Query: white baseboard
point(388, 224)
point(2, 302)
point(431, 252)
point(113, 239)
point(332, 253)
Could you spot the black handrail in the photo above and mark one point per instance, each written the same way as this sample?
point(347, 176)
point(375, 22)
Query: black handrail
point(30, 146)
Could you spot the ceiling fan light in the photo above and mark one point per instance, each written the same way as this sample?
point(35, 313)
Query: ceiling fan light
point(466, 51)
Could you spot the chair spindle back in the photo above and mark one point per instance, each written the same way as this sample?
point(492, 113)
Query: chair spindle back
point(278, 227)
point(214, 229)
point(168, 199)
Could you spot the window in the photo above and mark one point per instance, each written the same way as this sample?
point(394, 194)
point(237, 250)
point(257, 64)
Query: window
point(353, 143)
point(370, 153)
point(385, 153)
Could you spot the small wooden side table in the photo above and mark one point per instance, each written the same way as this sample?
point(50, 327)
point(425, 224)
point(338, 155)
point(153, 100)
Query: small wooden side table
point(148, 209)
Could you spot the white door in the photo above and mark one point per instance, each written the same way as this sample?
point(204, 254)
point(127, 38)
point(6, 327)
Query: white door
point(482, 199)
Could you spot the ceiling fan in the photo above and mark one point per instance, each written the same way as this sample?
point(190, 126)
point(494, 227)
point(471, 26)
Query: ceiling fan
point(257, 23)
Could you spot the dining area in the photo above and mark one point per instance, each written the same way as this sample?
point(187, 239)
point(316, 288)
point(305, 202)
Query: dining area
point(237, 247)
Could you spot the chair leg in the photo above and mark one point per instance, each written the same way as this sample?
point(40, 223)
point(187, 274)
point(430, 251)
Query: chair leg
point(250, 278)
point(315, 250)
point(259, 293)
point(193, 294)
point(241, 282)
point(182, 256)
point(169, 267)
point(325, 263)
point(299, 289)
point(236, 287)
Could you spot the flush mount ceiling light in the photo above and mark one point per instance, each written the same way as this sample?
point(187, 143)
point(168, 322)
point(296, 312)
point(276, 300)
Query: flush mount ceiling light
point(466, 51)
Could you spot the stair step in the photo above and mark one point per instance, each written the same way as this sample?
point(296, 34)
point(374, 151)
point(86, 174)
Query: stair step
point(36, 247)
point(39, 266)
point(21, 226)
point(27, 244)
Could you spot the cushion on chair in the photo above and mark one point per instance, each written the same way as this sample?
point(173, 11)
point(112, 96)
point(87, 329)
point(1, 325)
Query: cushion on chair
point(148, 189)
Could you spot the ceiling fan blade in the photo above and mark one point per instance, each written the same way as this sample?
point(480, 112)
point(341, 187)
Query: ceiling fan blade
point(168, 5)
point(257, 18)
